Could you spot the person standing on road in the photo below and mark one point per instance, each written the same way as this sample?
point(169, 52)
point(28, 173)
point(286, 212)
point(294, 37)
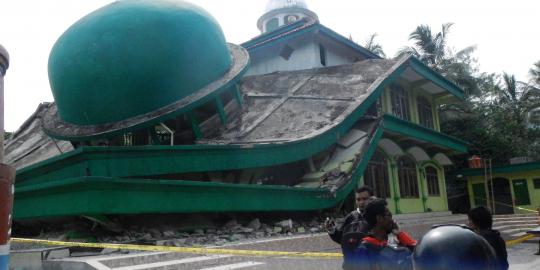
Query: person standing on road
point(354, 220)
point(351, 229)
point(481, 221)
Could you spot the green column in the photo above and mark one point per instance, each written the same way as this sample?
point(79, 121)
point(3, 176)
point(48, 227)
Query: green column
point(221, 110)
point(394, 186)
point(195, 126)
point(422, 174)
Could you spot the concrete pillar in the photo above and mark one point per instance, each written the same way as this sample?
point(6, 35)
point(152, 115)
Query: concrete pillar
point(4, 64)
point(7, 175)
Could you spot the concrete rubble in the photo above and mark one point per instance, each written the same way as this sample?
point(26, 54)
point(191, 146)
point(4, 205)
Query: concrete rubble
point(229, 232)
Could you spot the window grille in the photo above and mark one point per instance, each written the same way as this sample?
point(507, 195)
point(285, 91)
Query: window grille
point(400, 102)
point(425, 112)
point(432, 179)
point(408, 183)
point(376, 175)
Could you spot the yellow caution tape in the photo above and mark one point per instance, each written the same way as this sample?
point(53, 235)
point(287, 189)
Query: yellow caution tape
point(505, 204)
point(195, 250)
point(525, 209)
point(238, 252)
point(519, 240)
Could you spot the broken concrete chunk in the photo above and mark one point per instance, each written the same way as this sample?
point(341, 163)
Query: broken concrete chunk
point(254, 224)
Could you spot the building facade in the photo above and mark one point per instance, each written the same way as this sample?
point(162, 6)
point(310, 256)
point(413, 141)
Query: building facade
point(408, 167)
point(311, 118)
point(516, 187)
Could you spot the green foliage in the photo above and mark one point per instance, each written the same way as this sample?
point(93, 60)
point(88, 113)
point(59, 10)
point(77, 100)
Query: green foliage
point(432, 49)
point(373, 46)
point(535, 73)
point(7, 135)
point(494, 115)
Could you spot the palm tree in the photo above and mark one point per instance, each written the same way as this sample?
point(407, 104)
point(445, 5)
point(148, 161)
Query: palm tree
point(373, 46)
point(432, 49)
point(513, 100)
point(535, 73)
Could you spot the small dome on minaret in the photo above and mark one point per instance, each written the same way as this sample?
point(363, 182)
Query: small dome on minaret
point(282, 12)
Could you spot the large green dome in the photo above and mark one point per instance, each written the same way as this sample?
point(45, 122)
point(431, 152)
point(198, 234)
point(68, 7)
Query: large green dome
point(134, 57)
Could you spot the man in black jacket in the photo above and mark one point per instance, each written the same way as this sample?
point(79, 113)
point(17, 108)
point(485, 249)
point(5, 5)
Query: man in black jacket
point(353, 222)
point(481, 221)
point(349, 231)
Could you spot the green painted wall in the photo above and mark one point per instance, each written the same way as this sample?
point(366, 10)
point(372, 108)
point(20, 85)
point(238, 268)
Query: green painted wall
point(534, 194)
point(413, 93)
point(398, 205)
point(435, 203)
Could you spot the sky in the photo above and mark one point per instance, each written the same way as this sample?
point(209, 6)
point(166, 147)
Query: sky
point(506, 33)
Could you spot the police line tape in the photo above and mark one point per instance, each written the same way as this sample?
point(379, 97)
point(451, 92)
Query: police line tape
point(509, 205)
point(196, 250)
point(519, 240)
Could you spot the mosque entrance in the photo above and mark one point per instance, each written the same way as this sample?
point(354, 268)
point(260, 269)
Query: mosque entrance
point(502, 195)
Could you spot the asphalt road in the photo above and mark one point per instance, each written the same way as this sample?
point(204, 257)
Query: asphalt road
point(520, 256)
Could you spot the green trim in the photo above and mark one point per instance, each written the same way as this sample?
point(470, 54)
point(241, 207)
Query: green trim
point(361, 167)
point(397, 196)
point(286, 33)
point(432, 163)
point(103, 195)
point(143, 161)
point(221, 111)
point(531, 166)
point(422, 178)
point(195, 125)
point(238, 96)
point(436, 78)
point(113, 195)
point(397, 125)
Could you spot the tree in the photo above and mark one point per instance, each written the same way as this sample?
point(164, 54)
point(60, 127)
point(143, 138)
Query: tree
point(374, 47)
point(7, 135)
point(535, 73)
point(432, 49)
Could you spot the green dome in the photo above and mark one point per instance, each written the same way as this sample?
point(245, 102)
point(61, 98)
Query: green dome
point(133, 57)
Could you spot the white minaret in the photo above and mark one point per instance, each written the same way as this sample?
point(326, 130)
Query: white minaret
point(282, 12)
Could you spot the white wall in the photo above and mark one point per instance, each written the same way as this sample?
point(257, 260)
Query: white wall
point(305, 55)
point(267, 59)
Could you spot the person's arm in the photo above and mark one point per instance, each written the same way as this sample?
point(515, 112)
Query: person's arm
point(336, 232)
point(406, 240)
point(335, 235)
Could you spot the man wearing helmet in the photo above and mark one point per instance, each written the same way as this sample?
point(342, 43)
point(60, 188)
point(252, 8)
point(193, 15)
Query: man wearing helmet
point(451, 247)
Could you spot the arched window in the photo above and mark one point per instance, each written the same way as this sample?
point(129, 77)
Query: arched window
point(272, 24)
point(408, 183)
point(400, 102)
point(432, 179)
point(425, 112)
point(376, 175)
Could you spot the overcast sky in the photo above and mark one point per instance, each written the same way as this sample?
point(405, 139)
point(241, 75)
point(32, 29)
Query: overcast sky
point(507, 33)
